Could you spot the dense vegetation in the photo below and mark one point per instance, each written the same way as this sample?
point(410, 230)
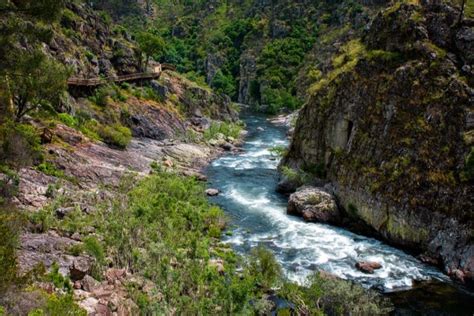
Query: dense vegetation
point(165, 230)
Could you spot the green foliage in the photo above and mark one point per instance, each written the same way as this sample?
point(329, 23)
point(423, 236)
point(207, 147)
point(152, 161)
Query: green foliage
point(335, 297)
point(50, 169)
point(224, 128)
point(19, 145)
point(67, 119)
point(115, 135)
point(345, 61)
point(265, 269)
point(152, 46)
point(279, 150)
point(8, 183)
point(223, 83)
point(167, 233)
point(59, 305)
point(296, 176)
point(278, 99)
point(93, 247)
point(37, 82)
point(61, 282)
point(10, 224)
point(118, 8)
point(101, 96)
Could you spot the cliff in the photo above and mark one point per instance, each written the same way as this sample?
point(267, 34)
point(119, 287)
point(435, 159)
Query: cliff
point(389, 124)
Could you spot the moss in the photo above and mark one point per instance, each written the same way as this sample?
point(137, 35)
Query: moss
point(468, 171)
point(349, 56)
point(402, 230)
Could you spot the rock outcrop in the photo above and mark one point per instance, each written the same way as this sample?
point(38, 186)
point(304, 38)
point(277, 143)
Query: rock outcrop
point(314, 205)
point(390, 124)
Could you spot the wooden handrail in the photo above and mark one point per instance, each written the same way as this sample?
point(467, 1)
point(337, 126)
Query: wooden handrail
point(90, 82)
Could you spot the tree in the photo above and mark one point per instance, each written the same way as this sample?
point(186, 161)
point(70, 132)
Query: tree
point(151, 45)
point(36, 81)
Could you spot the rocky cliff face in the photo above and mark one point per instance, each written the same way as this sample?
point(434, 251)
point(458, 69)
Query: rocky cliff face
point(389, 122)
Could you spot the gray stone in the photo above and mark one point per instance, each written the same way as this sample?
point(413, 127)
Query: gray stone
point(314, 205)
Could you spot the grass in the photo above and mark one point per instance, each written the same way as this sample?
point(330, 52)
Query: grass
point(164, 229)
point(224, 128)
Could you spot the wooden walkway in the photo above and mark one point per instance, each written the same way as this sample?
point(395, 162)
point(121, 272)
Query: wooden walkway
point(93, 82)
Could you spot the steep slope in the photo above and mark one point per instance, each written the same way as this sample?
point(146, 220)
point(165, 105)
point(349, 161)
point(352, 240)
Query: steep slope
point(254, 50)
point(390, 122)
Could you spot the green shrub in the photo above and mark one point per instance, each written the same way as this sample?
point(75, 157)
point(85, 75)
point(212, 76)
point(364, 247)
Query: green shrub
point(93, 247)
point(227, 129)
point(265, 269)
point(101, 95)
point(56, 305)
point(298, 177)
point(279, 150)
point(19, 145)
point(50, 169)
point(68, 120)
point(115, 135)
point(10, 225)
point(59, 281)
point(8, 184)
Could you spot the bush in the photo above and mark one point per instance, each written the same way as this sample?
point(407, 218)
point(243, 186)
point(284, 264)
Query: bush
point(50, 170)
point(227, 129)
point(9, 182)
point(68, 120)
point(10, 224)
point(265, 269)
point(115, 135)
point(58, 305)
point(19, 145)
point(101, 96)
point(94, 248)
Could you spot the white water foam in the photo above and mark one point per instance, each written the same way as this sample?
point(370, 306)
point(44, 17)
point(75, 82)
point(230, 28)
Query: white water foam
point(303, 247)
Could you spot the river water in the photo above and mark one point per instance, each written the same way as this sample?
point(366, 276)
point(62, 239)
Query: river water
point(258, 216)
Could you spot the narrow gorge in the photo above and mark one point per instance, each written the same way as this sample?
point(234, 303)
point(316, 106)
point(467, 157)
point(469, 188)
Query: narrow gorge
point(163, 157)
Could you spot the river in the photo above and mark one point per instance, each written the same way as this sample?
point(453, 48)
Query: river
point(247, 182)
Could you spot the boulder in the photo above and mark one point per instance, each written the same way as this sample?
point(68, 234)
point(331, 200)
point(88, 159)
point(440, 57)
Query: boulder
point(89, 283)
point(212, 192)
point(227, 146)
point(314, 205)
point(64, 211)
point(368, 266)
point(80, 267)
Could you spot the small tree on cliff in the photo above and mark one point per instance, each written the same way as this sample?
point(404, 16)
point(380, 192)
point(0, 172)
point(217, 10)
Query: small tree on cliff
point(151, 45)
point(36, 81)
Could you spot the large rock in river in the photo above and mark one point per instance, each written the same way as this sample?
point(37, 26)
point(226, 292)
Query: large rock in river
point(314, 205)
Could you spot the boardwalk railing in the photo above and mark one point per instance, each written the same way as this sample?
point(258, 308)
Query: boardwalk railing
point(124, 78)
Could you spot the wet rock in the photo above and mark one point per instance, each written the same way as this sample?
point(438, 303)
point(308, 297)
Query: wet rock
point(287, 186)
point(368, 267)
point(260, 129)
point(227, 146)
point(212, 192)
point(314, 205)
